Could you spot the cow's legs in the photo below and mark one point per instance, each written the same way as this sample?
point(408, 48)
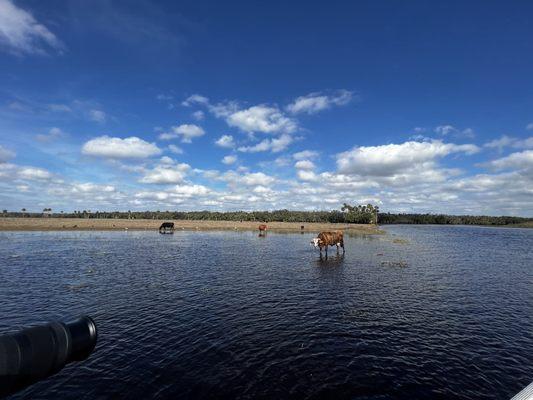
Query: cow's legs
point(342, 245)
point(326, 252)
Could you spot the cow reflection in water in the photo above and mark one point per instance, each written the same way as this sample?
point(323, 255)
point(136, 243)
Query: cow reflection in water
point(333, 261)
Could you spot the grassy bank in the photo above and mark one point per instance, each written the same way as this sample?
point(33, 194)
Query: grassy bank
point(94, 224)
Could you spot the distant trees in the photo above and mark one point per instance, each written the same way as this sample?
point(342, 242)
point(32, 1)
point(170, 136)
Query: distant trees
point(360, 214)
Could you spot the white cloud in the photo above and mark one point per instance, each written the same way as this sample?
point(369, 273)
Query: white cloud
point(176, 194)
point(198, 115)
point(21, 33)
point(304, 164)
point(257, 178)
point(225, 141)
point(274, 145)
point(305, 154)
point(114, 147)
point(175, 149)
point(32, 173)
point(507, 141)
point(97, 115)
point(262, 118)
point(445, 130)
point(247, 179)
point(166, 160)
point(186, 132)
point(164, 174)
point(306, 175)
point(529, 126)
point(190, 190)
point(5, 154)
point(13, 172)
point(59, 108)
point(228, 160)
point(315, 102)
point(521, 160)
point(92, 188)
point(53, 134)
point(262, 190)
point(392, 159)
point(195, 99)
point(164, 97)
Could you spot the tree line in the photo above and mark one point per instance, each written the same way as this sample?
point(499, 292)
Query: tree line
point(358, 214)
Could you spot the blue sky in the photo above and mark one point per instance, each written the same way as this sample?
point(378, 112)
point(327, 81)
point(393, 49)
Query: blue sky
point(416, 106)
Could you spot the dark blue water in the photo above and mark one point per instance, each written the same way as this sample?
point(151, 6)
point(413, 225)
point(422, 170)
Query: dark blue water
point(233, 315)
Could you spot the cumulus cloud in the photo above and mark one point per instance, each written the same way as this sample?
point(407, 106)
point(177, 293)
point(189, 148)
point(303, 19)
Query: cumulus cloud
point(257, 178)
point(166, 173)
point(304, 164)
point(195, 99)
point(21, 33)
point(508, 141)
point(315, 102)
point(198, 115)
point(228, 160)
point(59, 108)
point(445, 130)
point(248, 178)
point(274, 145)
point(190, 190)
point(13, 172)
point(305, 154)
point(5, 154)
point(262, 118)
point(52, 135)
point(186, 132)
point(174, 195)
point(391, 159)
point(117, 148)
point(305, 175)
point(90, 187)
point(175, 149)
point(225, 141)
point(97, 115)
point(521, 160)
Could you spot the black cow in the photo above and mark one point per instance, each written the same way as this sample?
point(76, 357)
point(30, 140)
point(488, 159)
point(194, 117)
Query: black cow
point(166, 227)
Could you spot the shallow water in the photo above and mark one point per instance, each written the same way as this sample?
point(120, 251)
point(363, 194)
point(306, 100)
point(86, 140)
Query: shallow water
point(422, 312)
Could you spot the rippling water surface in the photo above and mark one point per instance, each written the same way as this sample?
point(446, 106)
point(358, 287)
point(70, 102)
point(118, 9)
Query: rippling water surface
point(231, 314)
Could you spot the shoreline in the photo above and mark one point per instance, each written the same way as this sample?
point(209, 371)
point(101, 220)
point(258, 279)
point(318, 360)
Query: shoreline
point(96, 224)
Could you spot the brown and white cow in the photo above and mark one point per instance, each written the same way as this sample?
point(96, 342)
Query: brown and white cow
point(326, 239)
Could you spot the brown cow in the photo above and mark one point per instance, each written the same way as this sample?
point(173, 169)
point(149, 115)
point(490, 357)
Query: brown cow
point(326, 239)
point(262, 227)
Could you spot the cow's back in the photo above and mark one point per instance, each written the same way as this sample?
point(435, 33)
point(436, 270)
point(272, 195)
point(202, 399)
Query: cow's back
point(331, 238)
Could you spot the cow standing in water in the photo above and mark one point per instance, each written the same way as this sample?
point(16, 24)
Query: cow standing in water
point(262, 230)
point(326, 239)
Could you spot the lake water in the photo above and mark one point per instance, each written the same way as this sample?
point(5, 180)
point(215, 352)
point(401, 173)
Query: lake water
point(231, 314)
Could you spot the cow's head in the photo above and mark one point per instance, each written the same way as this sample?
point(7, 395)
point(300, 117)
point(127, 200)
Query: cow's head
point(315, 242)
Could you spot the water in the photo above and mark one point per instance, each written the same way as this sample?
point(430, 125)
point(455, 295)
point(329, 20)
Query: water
point(231, 314)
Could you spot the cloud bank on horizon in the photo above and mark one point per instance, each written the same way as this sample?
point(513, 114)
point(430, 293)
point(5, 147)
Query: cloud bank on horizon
point(150, 124)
